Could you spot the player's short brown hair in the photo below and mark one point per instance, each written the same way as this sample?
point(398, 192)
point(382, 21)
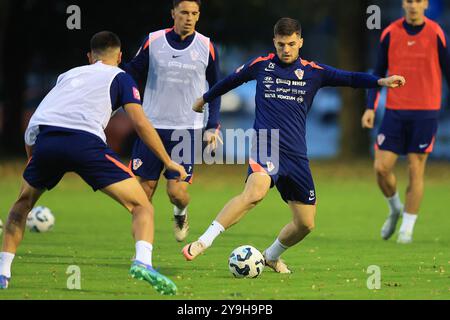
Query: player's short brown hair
point(287, 27)
point(177, 2)
point(103, 41)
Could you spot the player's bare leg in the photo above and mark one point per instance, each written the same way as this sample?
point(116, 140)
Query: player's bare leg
point(15, 228)
point(149, 187)
point(414, 195)
point(179, 197)
point(384, 167)
point(130, 194)
point(294, 232)
point(256, 188)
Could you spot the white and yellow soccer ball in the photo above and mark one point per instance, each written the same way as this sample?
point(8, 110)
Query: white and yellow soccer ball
point(246, 262)
point(40, 219)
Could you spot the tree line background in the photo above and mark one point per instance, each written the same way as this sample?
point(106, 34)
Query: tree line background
point(34, 39)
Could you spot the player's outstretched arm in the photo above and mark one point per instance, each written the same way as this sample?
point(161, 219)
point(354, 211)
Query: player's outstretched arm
point(148, 134)
point(245, 73)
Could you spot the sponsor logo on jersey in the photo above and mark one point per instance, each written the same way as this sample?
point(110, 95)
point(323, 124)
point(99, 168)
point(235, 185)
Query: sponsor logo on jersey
point(240, 68)
point(380, 139)
point(270, 67)
point(283, 81)
point(283, 90)
point(411, 43)
point(299, 73)
point(299, 83)
point(268, 80)
point(137, 163)
point(423, 146)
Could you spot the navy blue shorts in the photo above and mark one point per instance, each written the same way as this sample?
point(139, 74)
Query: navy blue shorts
point(58, 152)
point(291, 175)
point(147, 165)
point(403, 136)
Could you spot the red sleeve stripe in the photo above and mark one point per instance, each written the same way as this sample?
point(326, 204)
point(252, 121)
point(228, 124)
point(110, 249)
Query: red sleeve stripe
point(212, 51)
point(147, 43)
point(312, 64)
point(269, 57)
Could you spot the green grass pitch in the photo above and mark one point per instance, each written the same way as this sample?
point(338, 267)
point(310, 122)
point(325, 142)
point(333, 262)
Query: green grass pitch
point(93, 232)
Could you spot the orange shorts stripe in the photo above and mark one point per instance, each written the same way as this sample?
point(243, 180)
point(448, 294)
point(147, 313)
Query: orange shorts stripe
point(120, 165)
point(256, 167)
point(431, 147)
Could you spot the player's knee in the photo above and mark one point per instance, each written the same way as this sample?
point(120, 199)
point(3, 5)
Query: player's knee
point(138, 203)
point(381, 169)
point(253, 198)
point(178, 197)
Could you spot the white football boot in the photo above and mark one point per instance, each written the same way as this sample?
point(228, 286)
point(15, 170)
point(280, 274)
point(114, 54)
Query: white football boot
point(390, 224)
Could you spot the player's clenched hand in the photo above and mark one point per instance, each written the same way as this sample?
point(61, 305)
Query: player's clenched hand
point(198, 105)
point(392, 82)
point(173, 166)
point(368, 119)
point(211, 137)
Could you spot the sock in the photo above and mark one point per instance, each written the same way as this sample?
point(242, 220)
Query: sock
point(144, 252)
point(212, 233)
point(395, 204)
point(274, 252)
point(179, 212)
point(6, 260)
point(408, 222)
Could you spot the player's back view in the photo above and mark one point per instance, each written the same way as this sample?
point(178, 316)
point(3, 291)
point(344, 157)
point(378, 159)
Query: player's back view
point(66, 134)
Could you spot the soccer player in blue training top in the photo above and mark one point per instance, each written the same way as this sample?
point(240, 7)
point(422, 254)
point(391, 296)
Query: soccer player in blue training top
point(416, 47)
point(66, 133)
point(286, 86)
point(175, 66)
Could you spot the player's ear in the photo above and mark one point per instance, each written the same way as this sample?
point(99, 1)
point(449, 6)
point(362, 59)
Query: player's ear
point(301, 43)
point(89, 55)
point(119, 59)
point(172, 12)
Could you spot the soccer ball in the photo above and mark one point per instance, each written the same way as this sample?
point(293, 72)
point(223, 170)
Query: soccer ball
point(40, 219)
point(246, 262)
point(1, 227)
